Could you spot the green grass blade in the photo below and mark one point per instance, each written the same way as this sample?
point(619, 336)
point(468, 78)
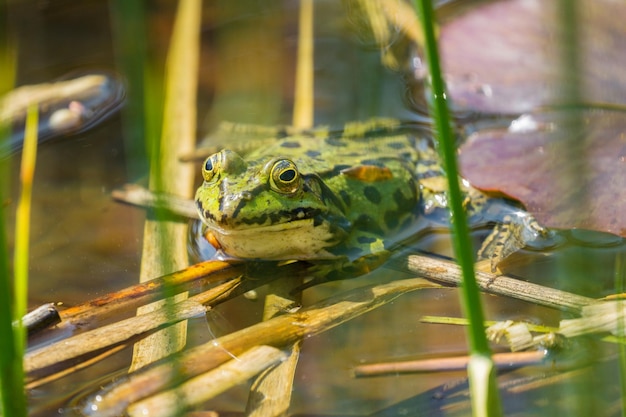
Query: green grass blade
point(620, 287)
point(485, 399)
point(13, 400)
point(11, 373)
point(20, 284)
point(129, 27)
point(22, 229)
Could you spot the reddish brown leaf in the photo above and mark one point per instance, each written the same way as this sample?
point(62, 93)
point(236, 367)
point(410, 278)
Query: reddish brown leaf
point(503, 57)
point(566, 182)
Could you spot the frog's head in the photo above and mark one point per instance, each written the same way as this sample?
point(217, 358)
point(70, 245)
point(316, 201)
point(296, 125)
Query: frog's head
point(268, 209)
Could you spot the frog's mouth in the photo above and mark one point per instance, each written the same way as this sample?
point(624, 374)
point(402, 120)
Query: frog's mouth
point(303, 239)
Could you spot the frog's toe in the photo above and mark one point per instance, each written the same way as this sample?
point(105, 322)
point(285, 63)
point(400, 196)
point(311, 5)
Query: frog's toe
point(488, 266)
point(514, 233)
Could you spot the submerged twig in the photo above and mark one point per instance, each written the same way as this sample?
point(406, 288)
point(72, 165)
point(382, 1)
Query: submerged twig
point(55, 358)
point(270, 393)
point(278, 332)
point(47, 359)
point(206, 386)
point(459, 363)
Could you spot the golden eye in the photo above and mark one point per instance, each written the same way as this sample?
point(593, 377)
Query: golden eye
point(285, 177)
point(210, 167)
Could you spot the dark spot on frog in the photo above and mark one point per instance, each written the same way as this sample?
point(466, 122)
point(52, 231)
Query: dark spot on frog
point(365, 222)
point(312, 154)
point(396, 145)
point(403, 202)
point(374, 162)
point(345, 197)
point(281, 133)
point(391, 219)
point(366, 239)
point(256, 220)
point(406, 223)
point(290, 145)
point(372, 194)
point(338, 168)
point(336, 142)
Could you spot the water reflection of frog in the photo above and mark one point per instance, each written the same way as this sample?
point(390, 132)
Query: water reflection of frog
point(340, 199)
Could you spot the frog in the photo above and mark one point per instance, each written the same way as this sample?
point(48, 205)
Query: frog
point(341, 200)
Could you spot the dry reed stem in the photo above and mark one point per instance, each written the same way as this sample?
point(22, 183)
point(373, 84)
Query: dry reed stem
point(205, 386)
point(459, 363)
point(450, 273)
point(91, 313)
point(67, 352)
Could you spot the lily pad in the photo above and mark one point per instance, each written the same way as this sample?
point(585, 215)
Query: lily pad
point(567, 180)
point(503, 57)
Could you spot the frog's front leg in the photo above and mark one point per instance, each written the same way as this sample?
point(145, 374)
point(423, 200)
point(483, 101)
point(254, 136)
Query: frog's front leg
point(359, 256)
point(515, 232)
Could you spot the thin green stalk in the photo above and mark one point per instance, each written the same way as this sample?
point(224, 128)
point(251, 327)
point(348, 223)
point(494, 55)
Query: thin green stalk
point(13, 400)
point(485, 399)
point(620, 287)
point(129, 29)
point(12, 393)
point(572, 143)
point(22, 228)
point(20, 262)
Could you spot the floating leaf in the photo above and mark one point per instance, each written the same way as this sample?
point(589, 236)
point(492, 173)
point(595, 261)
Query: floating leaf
point(534, 163)
point(503, 57)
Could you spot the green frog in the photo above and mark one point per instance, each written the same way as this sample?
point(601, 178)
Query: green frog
point(341, 200)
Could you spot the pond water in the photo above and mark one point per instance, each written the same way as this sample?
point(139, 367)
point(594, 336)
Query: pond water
point(86, 245)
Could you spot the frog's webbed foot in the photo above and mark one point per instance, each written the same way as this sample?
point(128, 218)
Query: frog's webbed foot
point(514, 233)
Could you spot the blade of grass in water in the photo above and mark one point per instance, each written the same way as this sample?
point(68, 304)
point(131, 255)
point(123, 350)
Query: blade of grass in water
point(165, 240)
point(22, 228)
point(129, 22)
point(485, 399)
point(11, 371)
point(20, 261)
point(620, 287)
point(14, 333)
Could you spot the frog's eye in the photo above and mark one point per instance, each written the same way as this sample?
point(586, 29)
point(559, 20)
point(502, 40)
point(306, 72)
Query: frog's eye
point(285, 177)
point(209, 169)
